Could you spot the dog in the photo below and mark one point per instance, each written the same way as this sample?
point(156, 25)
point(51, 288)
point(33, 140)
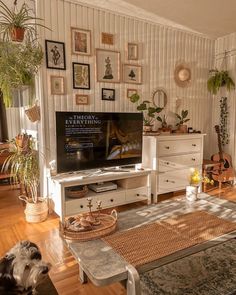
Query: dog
point(22, 269)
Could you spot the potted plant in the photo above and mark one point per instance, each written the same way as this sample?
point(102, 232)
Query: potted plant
point(16, 23)
point(219, 79)
point(148, 111)
point(182, 119)
point(23, 165)
point(18, 65)
point(164, 125)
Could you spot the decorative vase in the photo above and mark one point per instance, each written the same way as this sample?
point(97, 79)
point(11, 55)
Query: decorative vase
point(192, 193)
point(147, 128)
point(17, 34)
point(183, 128)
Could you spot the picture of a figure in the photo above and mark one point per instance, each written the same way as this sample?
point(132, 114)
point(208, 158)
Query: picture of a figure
point(108, 70)
point(55, 55)
point(132, 75)
point(81, 76)
point(81, 41)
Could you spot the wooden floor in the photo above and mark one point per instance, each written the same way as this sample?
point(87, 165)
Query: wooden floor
point(64, 272)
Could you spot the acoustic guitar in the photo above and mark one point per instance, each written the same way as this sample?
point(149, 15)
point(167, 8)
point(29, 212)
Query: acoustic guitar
point(224, 171)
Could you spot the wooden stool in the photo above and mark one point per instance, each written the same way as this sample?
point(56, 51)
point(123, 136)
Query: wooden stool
point(207, 169)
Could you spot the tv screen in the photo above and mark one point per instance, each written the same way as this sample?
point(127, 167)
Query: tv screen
point(87, 140)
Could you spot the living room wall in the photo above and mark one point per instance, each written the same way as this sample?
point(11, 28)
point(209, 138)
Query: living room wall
point(161, 48)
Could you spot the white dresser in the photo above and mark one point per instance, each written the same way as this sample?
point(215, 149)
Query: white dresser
point(170, 157)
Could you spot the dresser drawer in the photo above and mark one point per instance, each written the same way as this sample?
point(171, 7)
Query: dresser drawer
point(179, 146)
point(137, 194)
point(179, 162)
point(77, 206)
point(112, 199)
point(170, 180)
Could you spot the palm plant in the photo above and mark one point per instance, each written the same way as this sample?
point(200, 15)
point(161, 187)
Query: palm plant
point(14, 21)
point(23, 165)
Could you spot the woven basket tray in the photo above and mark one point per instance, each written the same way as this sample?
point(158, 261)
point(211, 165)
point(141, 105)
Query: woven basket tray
point(107, 226)
point(77, 193)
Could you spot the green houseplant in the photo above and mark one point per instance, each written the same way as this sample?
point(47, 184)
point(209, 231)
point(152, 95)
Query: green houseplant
point(219, 79)
point(149, 111)
point(15, 24)
point(23, 165)
point(18, 65)
point(182, 118)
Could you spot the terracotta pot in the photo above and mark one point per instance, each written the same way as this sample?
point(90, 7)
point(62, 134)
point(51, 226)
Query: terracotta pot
point(17, 34)
point(147, 128)
point(183, 128)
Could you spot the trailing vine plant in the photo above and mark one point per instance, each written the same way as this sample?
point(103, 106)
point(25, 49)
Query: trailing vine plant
point(224, 135)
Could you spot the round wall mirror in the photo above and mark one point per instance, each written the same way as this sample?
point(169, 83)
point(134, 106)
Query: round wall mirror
point(159, 97)
point(182, 75)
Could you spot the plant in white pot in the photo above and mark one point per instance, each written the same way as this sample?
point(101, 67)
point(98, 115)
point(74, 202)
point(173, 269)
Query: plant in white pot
point(23, 164)
point(147, 110)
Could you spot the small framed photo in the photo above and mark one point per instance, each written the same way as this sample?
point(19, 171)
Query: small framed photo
point(55, 55)
point(132, 74)
point(81, 75)
point(81, 99)
point(107, 39)
point(108, 66)
point(81, 41)
point(132, 51)
point(57, 85)
point(130, 92)
point(108, 94)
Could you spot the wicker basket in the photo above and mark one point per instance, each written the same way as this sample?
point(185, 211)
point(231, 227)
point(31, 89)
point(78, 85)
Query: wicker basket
point(36, 212)
point(33, 113)
point(77, 192)
point(108, 225)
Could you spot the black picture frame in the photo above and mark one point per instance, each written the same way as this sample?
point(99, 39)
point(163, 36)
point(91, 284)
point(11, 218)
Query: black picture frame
point(108, 94)
point(55, 55)
point(81, 75)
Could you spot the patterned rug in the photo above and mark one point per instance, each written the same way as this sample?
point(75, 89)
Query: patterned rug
point(209, 272)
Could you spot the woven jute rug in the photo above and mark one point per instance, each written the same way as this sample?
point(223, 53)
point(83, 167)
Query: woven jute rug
point(150, 242)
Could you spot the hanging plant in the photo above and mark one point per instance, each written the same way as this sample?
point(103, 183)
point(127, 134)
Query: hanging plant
point(224, 135)
point(219, 79)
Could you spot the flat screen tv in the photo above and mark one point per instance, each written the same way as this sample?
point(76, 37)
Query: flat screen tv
point(87, 140)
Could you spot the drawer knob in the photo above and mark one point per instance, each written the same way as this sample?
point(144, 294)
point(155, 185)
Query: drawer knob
point(171, 181)
point(167, 147)
point(111, 200)
point(167, 163)
point(81, 206)
point(193, 144)
point(193, 159)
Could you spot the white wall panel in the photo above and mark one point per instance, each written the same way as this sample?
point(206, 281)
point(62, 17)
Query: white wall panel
point(160, 47)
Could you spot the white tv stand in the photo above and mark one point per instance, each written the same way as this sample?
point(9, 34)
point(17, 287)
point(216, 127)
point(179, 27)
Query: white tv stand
point(133, 186)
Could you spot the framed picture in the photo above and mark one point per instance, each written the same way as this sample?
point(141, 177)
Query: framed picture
point(81, 99)
point(107, 39)
point(81, 41)
point(108, 94)
point(132, 51)
point(81, 75)
point(57, 85)
point(130, 92)
point(55, 55)
point(132, 74)
point(108, 66)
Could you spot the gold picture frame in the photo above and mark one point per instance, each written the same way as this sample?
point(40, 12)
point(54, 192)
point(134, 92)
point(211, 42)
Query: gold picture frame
point(132, 74)
point(57, 85)
point(81, 99)
point(132, 51)
point(107, 38)
point(130, 92)
point(81, 41)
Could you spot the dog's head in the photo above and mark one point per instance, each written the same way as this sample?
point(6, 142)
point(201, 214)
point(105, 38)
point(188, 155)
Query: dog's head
point(22, 267)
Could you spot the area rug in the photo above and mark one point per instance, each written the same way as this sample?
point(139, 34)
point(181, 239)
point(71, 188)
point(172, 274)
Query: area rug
point(209, 272)
point(46, 288)
point(148, 243)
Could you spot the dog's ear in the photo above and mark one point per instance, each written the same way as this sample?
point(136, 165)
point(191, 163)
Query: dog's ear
point(35, 254)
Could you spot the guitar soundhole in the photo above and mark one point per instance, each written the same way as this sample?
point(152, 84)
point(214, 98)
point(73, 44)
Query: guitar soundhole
point(226, 164)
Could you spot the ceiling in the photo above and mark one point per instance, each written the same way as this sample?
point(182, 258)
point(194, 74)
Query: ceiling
point(214, 18)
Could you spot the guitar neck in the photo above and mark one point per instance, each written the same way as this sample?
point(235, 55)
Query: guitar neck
point(220, 146)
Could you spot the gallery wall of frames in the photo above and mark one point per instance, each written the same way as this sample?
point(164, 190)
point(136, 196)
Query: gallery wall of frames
point(96, 59)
